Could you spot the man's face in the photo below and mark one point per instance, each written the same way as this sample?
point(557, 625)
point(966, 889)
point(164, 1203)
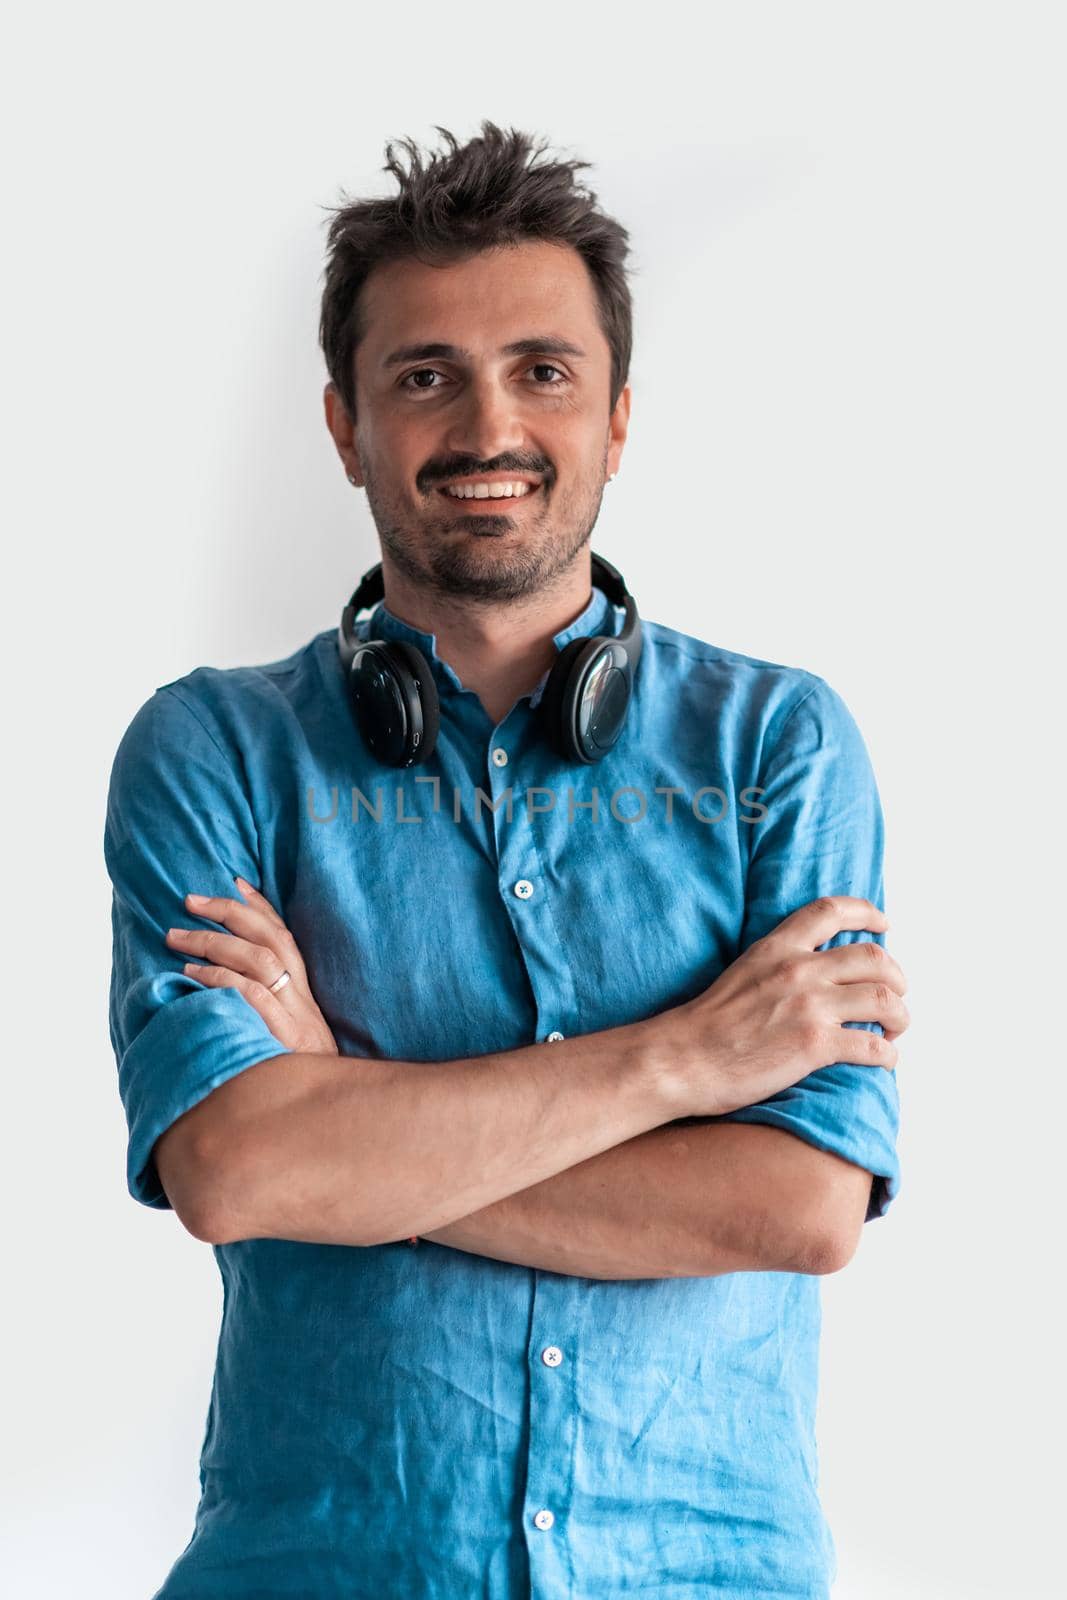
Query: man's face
point(471, 407)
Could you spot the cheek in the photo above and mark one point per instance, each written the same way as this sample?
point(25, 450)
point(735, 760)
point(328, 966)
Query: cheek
point(397, 444)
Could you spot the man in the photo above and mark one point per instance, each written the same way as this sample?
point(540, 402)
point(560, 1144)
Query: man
point(524, 1089)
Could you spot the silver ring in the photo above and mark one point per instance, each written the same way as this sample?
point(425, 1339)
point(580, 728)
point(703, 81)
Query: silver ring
point(279, 983)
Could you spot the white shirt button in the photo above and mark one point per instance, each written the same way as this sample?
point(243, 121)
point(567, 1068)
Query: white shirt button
point(500, 757)
point(552, 1355)
point(524, 888)
point(553, 1037)
point(543, 1519)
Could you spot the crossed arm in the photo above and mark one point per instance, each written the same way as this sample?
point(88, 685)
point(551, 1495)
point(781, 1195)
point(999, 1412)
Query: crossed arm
point(691, 1198)
point(681, 1201)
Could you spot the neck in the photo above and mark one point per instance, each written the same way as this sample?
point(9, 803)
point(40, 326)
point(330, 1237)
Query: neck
point(499, 649)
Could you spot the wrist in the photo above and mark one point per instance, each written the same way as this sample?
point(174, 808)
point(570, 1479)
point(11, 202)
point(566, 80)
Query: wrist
point(661, 1051)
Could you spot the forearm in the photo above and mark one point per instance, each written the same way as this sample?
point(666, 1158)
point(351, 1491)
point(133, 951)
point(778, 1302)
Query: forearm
point(340, 1150)
point(677, 1201)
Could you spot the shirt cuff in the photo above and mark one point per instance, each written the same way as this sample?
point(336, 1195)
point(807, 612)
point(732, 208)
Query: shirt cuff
point(190, 1046)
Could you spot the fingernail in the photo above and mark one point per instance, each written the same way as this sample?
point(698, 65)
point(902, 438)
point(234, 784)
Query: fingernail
point(197, 899)
point(244, 885)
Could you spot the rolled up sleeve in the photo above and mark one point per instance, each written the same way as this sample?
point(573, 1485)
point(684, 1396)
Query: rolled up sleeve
point(178, 821)
point(823, 834)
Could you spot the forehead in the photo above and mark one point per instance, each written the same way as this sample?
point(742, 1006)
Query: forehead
point(482, 302)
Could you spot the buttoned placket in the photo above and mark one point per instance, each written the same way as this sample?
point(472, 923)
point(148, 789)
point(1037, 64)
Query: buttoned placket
point(515, 758)
point(549, 1466)
point(515, 840)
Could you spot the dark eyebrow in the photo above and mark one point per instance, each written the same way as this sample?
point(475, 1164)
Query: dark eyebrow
point(549, 344)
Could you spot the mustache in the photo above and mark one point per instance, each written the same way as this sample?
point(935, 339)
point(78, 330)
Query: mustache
point(458, 468)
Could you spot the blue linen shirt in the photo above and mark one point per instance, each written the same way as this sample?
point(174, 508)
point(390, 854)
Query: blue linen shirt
point(422, 1422)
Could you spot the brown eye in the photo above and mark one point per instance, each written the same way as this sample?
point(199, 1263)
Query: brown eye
point(421, 372)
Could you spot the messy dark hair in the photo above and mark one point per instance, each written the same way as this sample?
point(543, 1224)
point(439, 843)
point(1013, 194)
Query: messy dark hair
point(490, 192)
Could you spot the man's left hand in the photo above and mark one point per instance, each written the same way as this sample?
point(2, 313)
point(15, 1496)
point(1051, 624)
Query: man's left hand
point(254, 954)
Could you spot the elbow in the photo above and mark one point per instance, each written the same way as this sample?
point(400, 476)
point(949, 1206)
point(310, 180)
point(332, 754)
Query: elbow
point(823, 1249)
point(196, 1186)
point(829, 1253)
point(201, 1226)
point(213, 1215)
point(826, 1243)
point(833, 1216)
point(207, 1226)
point(202, 1217)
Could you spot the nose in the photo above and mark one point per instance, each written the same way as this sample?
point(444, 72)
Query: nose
point(486, 422)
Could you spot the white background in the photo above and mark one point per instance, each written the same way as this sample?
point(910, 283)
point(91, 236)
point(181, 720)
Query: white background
point(846, 453)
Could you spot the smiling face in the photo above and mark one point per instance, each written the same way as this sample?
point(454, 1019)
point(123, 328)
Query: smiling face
point(490, 372)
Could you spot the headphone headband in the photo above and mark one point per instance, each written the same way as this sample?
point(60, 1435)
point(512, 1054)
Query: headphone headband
point(371, 589)
point(583, 705)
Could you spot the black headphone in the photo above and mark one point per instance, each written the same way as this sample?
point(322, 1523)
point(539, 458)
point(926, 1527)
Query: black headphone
point(394, 697)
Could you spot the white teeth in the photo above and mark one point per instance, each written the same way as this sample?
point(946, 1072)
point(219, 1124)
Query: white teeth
point(488, 491)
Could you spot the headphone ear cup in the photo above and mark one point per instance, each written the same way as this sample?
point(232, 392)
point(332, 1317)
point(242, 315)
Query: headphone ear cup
point(394, 699)
point(551, 707)
point(424, 689)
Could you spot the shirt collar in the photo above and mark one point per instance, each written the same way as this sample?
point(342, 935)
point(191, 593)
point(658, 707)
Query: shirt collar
point(598, 616)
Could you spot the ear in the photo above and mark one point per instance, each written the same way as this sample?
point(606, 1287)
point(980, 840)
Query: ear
point(343, 431)
point(620, 421)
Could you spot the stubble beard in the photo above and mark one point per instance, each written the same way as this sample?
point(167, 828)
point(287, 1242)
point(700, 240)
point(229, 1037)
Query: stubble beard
point(479, 557)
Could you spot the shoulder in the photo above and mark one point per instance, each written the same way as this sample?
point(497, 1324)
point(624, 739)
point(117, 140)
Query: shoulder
point(762, 688)
point(223, 705)
point(212, 730)
point(771, 705)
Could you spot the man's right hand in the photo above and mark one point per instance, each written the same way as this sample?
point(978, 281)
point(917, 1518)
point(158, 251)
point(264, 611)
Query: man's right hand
point(775, 1014)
